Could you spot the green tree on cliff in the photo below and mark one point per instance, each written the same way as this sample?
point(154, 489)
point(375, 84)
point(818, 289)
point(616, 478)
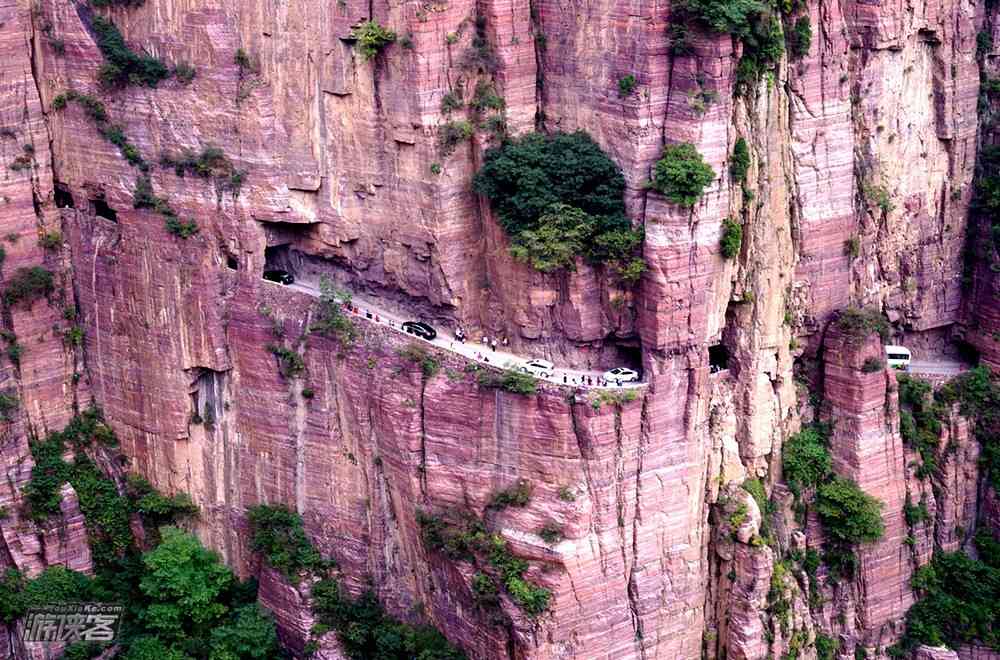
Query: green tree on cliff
point(559, 197)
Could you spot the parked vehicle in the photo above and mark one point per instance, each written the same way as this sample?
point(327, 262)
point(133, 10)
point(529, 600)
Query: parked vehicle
point(419, 328)
point(539, 368)
point(621, 375)
point(279, 276)
point(897, 357)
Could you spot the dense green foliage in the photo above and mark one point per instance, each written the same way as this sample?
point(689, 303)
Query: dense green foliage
point(920, 420)
point(122, 66)
point(806, 460)
point(180, 600)
point(732, 238)
point(559, 197)
point(732, 16)
point(28, 284)
point(872, 365)
point(372, 38)
point(800, 37)
point(859, 323)
point(54, 584)
point(960, 599)
point(979, 399)
point(739, 163)
point(105, 509)
point(278, 534)
point(180, 228)
point(849, 515)
point(682, 174)
point(626, 85)
point(368, 633)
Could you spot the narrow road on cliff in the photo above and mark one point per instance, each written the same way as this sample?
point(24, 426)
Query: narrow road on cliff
point(472, 350)
point(937, 367)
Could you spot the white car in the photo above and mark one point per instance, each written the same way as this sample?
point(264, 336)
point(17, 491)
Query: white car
point(540, 368)
point(621, 375)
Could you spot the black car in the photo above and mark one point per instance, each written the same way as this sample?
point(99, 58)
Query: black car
point(419, 329)
point(279, 276)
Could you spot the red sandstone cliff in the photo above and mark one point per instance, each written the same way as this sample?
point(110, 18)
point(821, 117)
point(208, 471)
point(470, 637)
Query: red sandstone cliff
point(338, 152)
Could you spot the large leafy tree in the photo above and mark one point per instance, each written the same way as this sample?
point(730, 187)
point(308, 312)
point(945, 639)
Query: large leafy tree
point(184, 582)
point(559, 197)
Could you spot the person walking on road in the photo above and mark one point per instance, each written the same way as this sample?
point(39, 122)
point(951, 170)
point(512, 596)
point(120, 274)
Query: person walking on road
point(493, 344)
point(505, 342)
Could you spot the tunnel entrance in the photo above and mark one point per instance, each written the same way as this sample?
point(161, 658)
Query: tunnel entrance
point(102, 209)
point(718, 358)
point(231, 263)
point(281, 257)
point(628, 356)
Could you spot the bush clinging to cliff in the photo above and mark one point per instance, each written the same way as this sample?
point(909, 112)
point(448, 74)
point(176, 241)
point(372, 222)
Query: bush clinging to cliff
point(848, 514)
point(367, 632)
point(122, 66)
point(732, 238)
point(806, 459)
point(559, 197)
point(279, 535)
point(372, 38)
point(28, 285)
point(682, 174)
point(858, 323)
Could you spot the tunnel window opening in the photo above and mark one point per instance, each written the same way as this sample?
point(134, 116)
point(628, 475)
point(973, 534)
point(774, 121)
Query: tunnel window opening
point(102, 209)
point(64, 199)
point(232, 264)
point(718, 358)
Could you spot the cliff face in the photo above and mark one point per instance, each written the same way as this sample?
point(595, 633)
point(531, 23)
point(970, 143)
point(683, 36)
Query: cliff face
point(870, 136)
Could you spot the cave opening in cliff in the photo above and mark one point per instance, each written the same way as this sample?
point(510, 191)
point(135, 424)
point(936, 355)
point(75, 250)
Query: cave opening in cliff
point(280, 257)
point(64, 198)
point(102, 209)
point(232, 263)
point(718, 358)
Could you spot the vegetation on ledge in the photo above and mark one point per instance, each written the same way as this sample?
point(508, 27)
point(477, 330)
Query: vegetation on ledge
point(682, 174)
point(559, 197)
point(372, 38)
point(122, 66)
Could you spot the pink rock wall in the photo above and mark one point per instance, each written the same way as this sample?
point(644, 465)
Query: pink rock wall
point(866, 447)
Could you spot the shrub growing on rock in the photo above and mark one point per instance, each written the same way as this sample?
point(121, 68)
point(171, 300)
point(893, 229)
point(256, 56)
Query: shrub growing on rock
point(28, 284)
point(278, 534)
point(682, 174)
point(806, 459)
point(372, 38)
point(849, 515)
point(732, 238)
point(626, 85)
point(739, 163)
point(123, 67)
point(858, 323)
point(800, 37)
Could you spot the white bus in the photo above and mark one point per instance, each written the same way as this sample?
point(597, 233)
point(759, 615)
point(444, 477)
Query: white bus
point(898, 357)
